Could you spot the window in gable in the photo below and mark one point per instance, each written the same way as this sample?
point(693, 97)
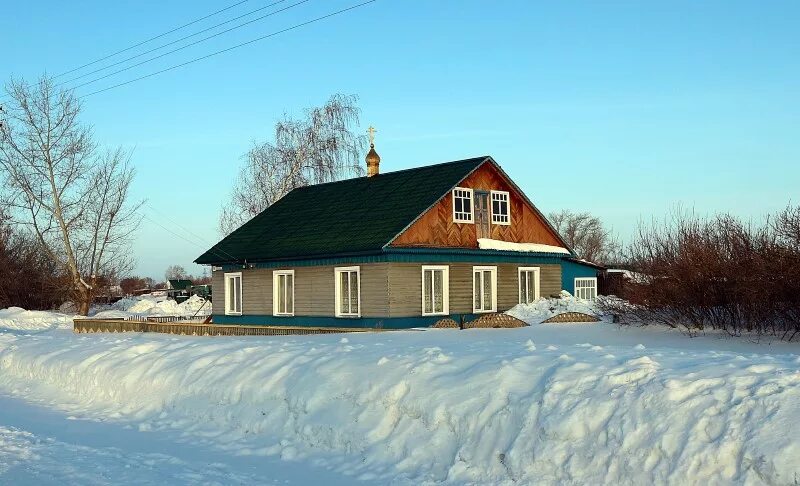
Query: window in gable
point(501, 209)
point(462, 205)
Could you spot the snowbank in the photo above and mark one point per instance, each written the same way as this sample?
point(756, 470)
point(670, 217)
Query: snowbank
point(489, 244)
point(18, 319)
point(546, 404)
point(543, 309)
point(155, 306)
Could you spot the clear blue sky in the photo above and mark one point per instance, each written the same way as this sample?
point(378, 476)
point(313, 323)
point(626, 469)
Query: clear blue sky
point(624, 109)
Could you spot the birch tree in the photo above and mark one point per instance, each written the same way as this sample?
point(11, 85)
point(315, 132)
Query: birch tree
point(320, 147)
point(72, 196)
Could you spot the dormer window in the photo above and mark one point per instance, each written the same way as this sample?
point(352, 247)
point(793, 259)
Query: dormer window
point(501, 211)
point(462, 205)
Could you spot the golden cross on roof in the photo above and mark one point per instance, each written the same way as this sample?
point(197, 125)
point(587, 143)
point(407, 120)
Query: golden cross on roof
point(371, 130)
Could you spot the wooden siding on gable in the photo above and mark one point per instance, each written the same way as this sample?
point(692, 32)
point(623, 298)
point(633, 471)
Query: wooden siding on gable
point(435, 228)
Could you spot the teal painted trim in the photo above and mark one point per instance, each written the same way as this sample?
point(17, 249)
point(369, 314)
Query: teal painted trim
point(416, 255)
point(361, 322)
point(572, 270)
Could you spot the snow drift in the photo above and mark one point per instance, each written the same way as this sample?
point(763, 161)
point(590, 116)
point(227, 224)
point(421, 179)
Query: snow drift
point(578, 404)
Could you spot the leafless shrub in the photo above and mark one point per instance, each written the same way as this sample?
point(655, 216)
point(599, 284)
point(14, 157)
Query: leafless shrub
point(718, 273)
point(28, 277)
point(586, 234)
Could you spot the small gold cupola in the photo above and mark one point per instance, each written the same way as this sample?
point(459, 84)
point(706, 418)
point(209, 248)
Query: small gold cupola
point(373, 159)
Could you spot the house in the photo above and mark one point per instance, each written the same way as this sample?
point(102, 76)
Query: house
point(179, 289)
point(395, 250)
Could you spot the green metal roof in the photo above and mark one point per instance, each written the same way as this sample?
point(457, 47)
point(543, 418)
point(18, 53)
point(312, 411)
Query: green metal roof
point(180, 284)
point(346, 217)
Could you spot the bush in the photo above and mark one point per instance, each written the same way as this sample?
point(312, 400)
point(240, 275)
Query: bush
point(718, 273)
point(28, 278)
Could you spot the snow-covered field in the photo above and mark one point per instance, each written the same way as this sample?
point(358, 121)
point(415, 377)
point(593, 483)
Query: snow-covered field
point(547, 404)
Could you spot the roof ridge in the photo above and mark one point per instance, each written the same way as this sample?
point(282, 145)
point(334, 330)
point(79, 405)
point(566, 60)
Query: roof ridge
point(439, 164)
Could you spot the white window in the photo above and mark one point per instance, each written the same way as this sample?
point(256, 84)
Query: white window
point(233, 294)
point(528, 284)
point(501, 209)
point(484, 289)
point(283, 293)
point(586, 288)
point(462, 205)
point(348, 292)
point(435, 290)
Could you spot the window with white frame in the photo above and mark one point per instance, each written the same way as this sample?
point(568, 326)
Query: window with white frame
point(501, 209)
point(435, 290)
point(586, 288)
point(484, 289)
point(528, 284)
point(462, 205)
point(283, 293)
point(233, 293)
point(348, 292)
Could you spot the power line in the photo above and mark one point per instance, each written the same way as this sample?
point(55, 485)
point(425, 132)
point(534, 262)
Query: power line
point(201, 239)
point(176, 66)
point(182, 39)
point(188, 45)
point(152, 38)
point(185, 239)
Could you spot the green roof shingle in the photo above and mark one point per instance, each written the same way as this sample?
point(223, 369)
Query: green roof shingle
point(350, 216)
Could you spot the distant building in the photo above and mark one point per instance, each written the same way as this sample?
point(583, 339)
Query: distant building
point(179, 289)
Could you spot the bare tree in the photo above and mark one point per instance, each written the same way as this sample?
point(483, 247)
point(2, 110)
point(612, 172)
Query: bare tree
point(321, 147)
point(586, 235)
point(73, 198)
point(175, 272)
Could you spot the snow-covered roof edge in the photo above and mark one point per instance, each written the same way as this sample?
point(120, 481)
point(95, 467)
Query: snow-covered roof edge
point(490, 244)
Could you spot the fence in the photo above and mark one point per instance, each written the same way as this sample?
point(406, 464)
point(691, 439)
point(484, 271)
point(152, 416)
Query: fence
point(195, 328)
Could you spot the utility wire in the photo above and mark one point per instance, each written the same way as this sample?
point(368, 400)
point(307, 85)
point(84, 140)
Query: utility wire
point(188, 45)
point(176, 66)
point(151, 39)
point(195, 236)
point(182, 237)
point(182, 39)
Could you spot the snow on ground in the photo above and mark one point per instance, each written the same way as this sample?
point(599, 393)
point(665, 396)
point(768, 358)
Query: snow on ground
point(18, 319)
point(21, 320)
point(547, 404)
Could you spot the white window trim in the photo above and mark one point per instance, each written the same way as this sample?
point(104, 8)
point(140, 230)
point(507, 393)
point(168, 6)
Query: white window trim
point(445, 290)
point(491, 207)
point(227, 277)
point(494, 289)
point(585, 279)
point(275, 278)
point(471, 219)
point(537, 281)
point(338, 292)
